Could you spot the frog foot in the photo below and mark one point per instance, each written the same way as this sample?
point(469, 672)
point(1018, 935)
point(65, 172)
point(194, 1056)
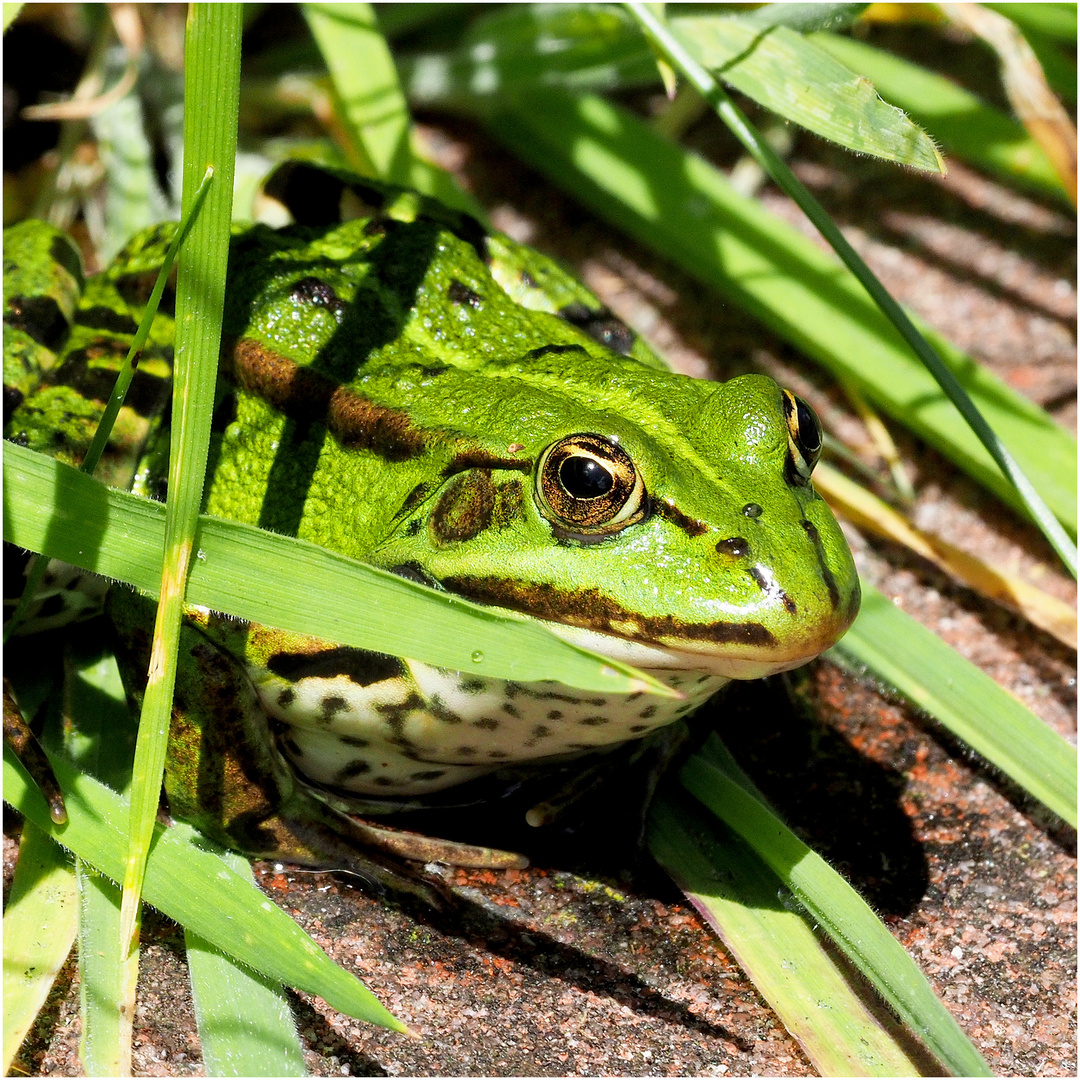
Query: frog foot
point(417, 847)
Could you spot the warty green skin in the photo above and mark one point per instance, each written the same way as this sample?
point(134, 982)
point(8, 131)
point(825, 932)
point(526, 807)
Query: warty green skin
point(390, 385)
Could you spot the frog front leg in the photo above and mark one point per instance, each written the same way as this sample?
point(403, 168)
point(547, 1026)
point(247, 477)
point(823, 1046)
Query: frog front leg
point(224, 775)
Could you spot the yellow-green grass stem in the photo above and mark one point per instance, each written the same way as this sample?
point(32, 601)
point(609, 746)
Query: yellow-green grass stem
point(212, 81)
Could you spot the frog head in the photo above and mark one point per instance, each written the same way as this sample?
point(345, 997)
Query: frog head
point(663, 520)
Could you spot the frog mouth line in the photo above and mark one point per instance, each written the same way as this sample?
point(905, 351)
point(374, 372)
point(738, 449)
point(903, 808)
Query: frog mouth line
point(592, 610)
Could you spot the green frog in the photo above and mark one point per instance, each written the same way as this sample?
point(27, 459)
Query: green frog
point(404, 388)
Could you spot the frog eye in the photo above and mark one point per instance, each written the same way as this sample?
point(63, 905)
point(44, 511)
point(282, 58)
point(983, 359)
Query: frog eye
point(804, 438)
point(587, 486)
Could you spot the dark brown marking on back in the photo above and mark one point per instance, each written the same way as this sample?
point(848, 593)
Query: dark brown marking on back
point(39, 317)
point(304, 395)
point(317, 293)
point(82, 371)
point(601, 325)
point(459, 293)
point(553, 350)
point(99, 317)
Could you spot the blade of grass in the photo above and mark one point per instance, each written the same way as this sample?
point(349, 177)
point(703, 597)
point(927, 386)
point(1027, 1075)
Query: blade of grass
point(375, 121)
point(787, 74)
point(263, 1042)
point(194, 888)
point(106, 1033)
point(51, 507)
point(676, 51)
point(40, 923)
point(211, 96)
point(818, 1002)
point(966, 126)
point(869, 512)
point(1055, 20)
point(682, 207)
point(714, 778)
point(964, 700)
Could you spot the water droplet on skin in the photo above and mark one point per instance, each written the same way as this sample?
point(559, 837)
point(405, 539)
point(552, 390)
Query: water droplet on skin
point(478, 657)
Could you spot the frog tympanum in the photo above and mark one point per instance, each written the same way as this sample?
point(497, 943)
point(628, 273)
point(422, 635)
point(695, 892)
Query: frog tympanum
point(399, 386)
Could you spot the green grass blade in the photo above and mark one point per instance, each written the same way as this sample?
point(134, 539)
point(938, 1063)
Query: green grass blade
point(246, 1027)
point(1055, 20)
point(583, 46)
point(679, 205)
point(804, 17)
point(713, 777)
point(211, 96)
point(194, 888)
point(40, 922)
point(371, 105)
point(963, 699)
point(966, 126)
point(101, 974)
point(50, 507)
point(365, 87)
point(737, 894)
point(789, 75)
point(680, 55)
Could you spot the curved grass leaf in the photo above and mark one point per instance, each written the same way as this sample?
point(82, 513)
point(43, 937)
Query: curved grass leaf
point(195, 888)
point(803, 983)
point(805, 18)
point(40, 922)
point(965, 125)
point(246, 1027)
point(789, 75)
point(106, 1035)
point(375, 121)
point(50, 507)
point(714, 778)
point(679, 205)
point(963, 699)
point(1054, 20)
point(211, 97)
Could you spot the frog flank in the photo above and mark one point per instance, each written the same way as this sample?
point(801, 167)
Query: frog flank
point(402, 388)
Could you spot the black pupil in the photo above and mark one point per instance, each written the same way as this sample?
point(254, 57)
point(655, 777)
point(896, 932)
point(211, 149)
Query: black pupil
point(809, 428)
point(585, 478)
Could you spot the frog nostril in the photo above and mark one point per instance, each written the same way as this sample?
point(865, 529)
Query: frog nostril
point(735, 546)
